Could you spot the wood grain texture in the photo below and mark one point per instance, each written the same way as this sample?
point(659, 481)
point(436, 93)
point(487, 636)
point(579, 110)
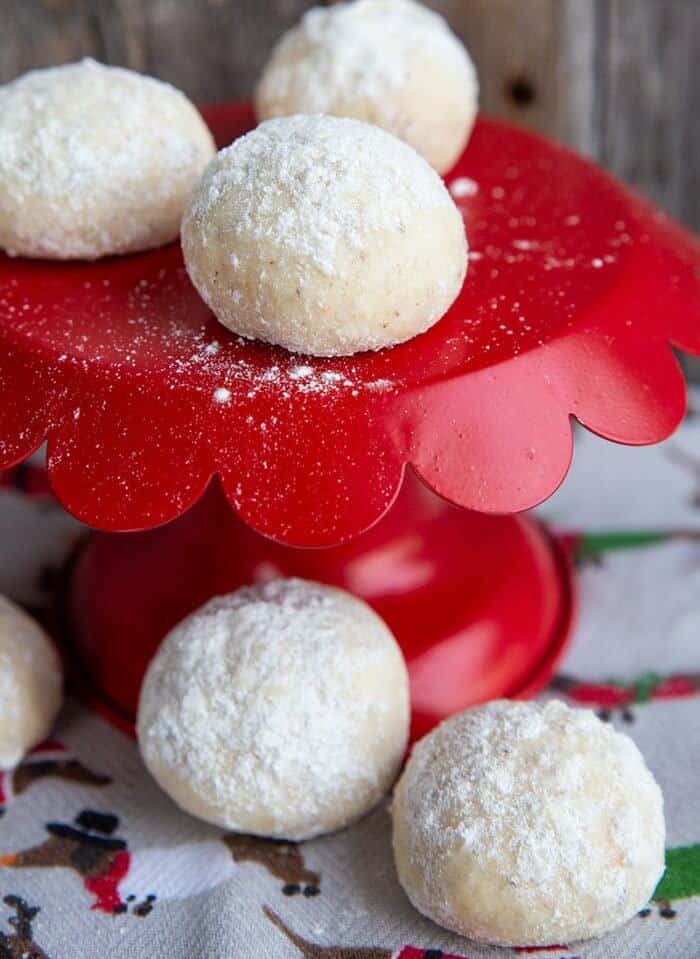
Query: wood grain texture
point(616, 79)
point(514, 46)
point(652, 100)
point(43, 32)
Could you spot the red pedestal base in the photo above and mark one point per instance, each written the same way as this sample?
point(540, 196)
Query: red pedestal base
point(481, 605)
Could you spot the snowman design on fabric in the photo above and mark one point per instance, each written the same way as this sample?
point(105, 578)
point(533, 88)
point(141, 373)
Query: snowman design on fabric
point(122, 880)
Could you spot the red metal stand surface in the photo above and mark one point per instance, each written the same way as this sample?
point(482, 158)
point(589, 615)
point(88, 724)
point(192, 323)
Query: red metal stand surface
point(575, 291)
point(482, 605)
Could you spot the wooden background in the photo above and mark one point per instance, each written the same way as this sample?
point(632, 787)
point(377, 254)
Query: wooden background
point(617, 79)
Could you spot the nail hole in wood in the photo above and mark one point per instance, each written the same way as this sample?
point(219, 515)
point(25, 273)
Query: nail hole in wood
point(521, 91)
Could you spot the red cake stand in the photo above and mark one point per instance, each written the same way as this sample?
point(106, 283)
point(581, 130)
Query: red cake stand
point(576, 289)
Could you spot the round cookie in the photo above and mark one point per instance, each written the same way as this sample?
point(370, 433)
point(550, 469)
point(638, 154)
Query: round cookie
point(323, 235)
point(393, 63)
point(280, 710)
point(523, 824)
point(31, 683)
point(95, 160)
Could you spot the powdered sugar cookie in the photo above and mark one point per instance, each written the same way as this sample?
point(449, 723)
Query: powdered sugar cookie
point(389, 62)
point(280, 710)
point(95, 160)
point(30, 684)
point(323, 235)
point(527, 824)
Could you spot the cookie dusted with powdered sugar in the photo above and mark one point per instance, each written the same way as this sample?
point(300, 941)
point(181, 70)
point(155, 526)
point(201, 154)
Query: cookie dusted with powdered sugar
point(95, 160)
point(527, 824)
point(280, 710)
point(31, 684)
point(323, 235)
point(394, 63)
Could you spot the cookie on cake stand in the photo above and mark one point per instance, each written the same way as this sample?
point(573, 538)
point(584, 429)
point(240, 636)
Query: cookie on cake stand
point(405, 469)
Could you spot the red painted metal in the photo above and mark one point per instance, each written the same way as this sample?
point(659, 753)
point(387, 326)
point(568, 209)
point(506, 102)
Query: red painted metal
point(482, 605)
point(574, 290)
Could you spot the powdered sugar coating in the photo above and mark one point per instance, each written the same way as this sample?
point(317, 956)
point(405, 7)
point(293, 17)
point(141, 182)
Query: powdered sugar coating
point(280, 710)
point(95, 160)
point(394, 63)
point(324, 235)
point(528, 824)
point(31, 682)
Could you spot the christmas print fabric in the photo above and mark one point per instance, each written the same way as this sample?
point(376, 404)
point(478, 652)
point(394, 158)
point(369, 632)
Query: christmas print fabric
point(96, 861)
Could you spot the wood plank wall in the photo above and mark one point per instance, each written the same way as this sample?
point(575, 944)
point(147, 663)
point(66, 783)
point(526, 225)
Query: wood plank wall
point(616, 79)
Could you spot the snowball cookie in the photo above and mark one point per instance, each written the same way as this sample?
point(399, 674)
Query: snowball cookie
point(280, 710)
point(30, 684)
point(526, 824)
point(325, 236)
point(95, 160)
point(389, 62)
